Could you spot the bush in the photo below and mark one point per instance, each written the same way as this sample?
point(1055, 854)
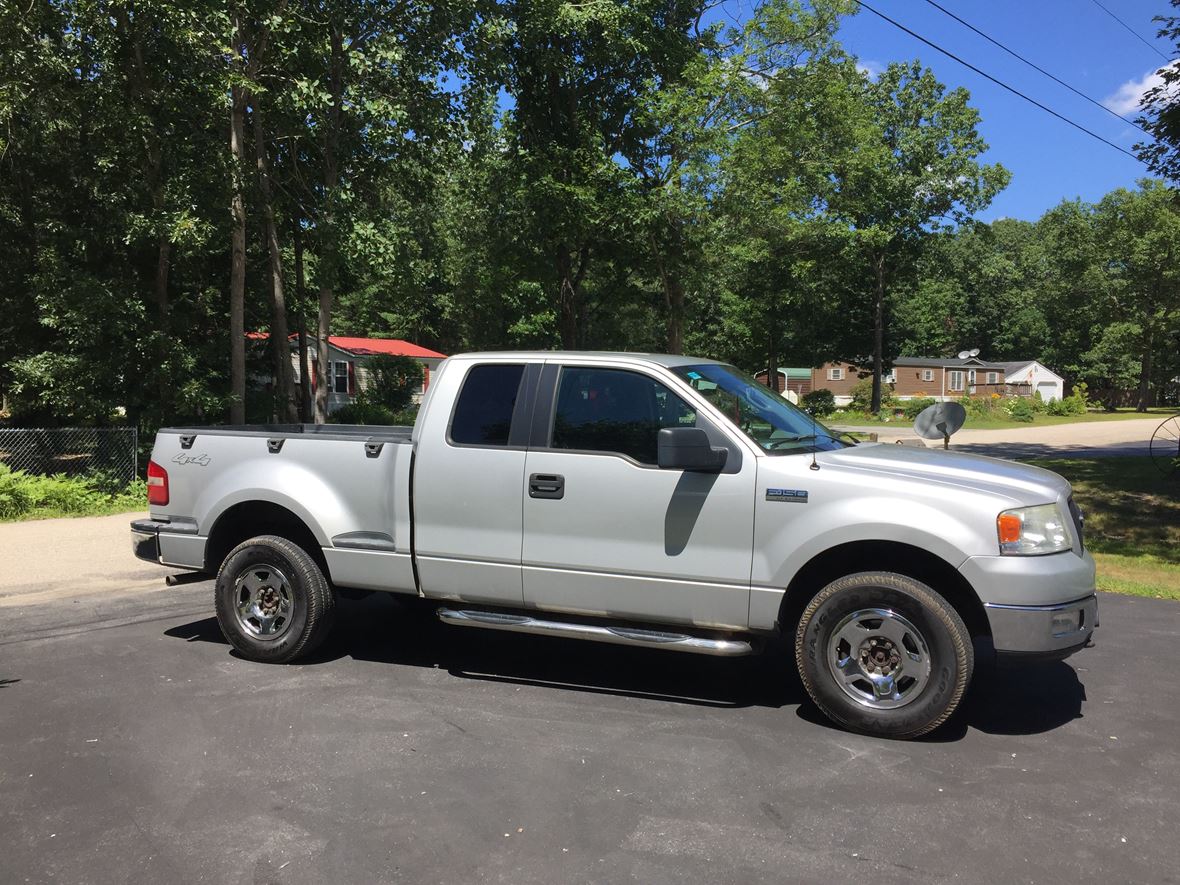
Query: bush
point(819, 403)
point(392, 381)
point(1020, 409)
point(362, 411)
point(23, 494)
point(912, 407)
point(862, 396)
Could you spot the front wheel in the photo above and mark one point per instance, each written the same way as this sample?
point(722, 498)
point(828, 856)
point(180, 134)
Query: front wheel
point(884, 654)
point(273, 602)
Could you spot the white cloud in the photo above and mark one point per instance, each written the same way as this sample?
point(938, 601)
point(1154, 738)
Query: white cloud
point(1126, 99)
point(868, 67)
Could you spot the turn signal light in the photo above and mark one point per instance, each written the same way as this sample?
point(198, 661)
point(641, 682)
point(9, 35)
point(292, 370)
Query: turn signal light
point(157, 484)
point(1009, 526)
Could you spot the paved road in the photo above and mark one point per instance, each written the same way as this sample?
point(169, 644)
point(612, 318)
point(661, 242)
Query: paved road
point(1092, 439)
point(135, 747)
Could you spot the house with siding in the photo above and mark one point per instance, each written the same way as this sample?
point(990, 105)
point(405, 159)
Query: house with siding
point(942, 378)
point(346, 356)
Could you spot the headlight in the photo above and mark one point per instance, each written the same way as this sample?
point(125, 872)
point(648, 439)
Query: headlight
point(1032, 531)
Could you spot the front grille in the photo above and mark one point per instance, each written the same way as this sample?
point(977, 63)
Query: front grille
point(1079, 520)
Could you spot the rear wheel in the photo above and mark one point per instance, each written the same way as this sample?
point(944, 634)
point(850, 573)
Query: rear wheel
point(884, 654)
point(273, 602)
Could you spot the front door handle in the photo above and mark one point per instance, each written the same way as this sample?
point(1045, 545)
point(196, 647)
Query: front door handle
point(546, 485)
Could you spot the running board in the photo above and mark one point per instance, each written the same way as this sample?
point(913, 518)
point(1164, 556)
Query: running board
point(618, 635)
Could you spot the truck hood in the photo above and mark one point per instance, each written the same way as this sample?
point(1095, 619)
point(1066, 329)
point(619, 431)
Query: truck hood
point(1022, 483)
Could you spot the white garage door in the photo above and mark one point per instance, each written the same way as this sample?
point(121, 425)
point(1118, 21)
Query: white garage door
point(1047, 389)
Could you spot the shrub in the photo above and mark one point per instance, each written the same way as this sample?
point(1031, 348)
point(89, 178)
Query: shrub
point(1038, 401)
point(23, 494)
point(820, 403)
point(862, 396)
point(912, 407)
point(362, 412)
point(1020, 409)
point(391, 382)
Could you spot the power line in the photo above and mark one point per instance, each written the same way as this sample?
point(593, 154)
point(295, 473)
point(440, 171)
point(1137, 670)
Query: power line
point(1034, 66)
point(1131, 31)
point(999, 83)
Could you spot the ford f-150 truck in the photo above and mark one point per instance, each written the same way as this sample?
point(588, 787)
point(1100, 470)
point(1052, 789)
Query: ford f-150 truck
point(660, 501)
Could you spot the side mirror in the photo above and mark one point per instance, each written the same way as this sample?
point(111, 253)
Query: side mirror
point(688, 448)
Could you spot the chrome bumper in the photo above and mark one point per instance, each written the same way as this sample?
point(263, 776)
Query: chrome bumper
point(1045, 631)
point(145, 540)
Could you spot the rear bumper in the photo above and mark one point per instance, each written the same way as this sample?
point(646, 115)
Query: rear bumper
point(175, 543)
point(145, 540)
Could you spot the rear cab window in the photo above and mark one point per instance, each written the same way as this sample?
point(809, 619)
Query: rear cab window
point(483, 409)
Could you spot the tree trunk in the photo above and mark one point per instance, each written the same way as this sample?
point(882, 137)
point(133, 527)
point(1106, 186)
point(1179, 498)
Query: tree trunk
point(301, 315)
point(279, 330)
point(237, 277)
point(163, 311)
point(878, 331)
point(327, 255)
point(1143, 401)
point(674, 301)
point(772, 360)
point(569, 296)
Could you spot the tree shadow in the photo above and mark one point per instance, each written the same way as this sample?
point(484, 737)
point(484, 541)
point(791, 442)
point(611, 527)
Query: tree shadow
point(385, 629)
point(4, 683)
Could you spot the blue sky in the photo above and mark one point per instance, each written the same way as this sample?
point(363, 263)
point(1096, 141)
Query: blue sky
point(1073, 39)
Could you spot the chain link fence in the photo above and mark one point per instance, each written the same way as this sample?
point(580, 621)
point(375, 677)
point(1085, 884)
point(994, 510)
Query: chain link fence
point(107, 453)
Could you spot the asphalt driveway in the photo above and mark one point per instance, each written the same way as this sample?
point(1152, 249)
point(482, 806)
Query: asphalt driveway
point(135, 747)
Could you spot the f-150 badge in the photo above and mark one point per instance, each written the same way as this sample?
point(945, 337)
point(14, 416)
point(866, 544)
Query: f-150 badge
point(787, 496)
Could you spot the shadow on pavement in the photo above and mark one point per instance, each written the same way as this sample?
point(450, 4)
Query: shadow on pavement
point(6, 682)
point(383, 629)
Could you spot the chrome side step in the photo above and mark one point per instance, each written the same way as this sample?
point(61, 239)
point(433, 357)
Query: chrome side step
point(618, 635)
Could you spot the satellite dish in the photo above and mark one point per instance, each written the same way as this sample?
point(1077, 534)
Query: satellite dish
point(963, 354)
point(973, 352)
point(939, 421)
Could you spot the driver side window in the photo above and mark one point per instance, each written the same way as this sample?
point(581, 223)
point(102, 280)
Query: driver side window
point(616, 411)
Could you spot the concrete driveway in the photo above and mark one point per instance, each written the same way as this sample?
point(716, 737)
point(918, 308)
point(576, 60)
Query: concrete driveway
point(1090, 439)
point(135, 747)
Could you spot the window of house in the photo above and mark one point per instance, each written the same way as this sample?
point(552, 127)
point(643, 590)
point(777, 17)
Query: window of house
point(340, 377)
point(954, 380)
point(835, 374)
point(612, 410)
point(993, 377)
point(483, 411)
point(927, 374)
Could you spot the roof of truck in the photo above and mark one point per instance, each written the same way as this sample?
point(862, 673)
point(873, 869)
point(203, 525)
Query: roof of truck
point(671, 360)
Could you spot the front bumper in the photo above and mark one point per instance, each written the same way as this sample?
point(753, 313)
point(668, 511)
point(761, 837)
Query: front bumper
point(1048, 632)
point(1037, 606)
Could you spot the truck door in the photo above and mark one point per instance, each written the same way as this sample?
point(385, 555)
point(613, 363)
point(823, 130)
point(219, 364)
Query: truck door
point(469, 483)
point(606, 531)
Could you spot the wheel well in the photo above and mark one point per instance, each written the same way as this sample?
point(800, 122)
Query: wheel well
point(252, 518)
point(889, 556)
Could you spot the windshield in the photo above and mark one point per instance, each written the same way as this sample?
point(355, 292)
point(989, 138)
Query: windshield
point(759, 412)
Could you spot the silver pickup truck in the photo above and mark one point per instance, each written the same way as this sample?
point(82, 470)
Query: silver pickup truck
point(660, 501)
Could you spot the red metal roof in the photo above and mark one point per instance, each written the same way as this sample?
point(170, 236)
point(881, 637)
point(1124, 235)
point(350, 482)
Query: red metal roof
point(367, 346)
point(392, 346)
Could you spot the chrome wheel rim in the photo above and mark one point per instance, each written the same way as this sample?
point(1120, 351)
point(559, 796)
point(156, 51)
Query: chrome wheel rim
point(878, 658)
point(263, 602)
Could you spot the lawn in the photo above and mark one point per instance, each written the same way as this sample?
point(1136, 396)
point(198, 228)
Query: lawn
point(1132, 522)
point(975, 422)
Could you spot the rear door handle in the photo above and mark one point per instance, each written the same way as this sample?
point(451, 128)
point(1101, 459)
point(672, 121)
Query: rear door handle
point(546, 485)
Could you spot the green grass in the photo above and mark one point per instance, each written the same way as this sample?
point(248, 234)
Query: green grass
point(1132, 522)
point(976, 422)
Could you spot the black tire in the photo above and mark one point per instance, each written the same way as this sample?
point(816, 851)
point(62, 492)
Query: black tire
point(913, 698)
point(271, 584)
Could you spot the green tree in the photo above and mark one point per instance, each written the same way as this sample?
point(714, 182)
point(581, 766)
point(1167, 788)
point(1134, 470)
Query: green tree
point(1161, 110)
point(916, 168)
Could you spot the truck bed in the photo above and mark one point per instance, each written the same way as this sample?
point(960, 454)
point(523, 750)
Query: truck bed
point(350, 484)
